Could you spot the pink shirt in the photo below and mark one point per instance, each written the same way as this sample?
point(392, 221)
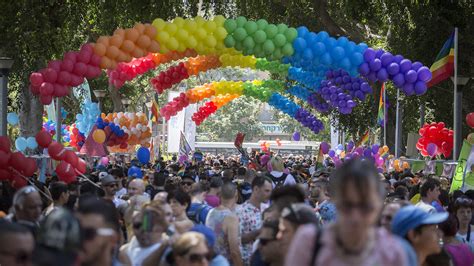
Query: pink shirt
point(212, 200)
point(385, 251)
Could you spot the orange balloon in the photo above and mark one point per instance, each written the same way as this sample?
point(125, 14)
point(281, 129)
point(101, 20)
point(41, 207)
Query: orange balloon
point(140, 27)
point(105, 63)
point(128, 46)
point(112, 52)
point(122, 57)
point(100, 49)
point(116, 40)
point(146, 145)
point(385, 148)
point(99, 136)
point(113, 64)
point(406, 165)
point(132, 34)
point(103, 40)
point(137, 52)
point(150, 31)
point(120, 32)
point(154, 47)
point(144, 41)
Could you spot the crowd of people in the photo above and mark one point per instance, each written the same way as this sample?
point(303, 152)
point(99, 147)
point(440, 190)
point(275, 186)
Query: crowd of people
point(274, 210)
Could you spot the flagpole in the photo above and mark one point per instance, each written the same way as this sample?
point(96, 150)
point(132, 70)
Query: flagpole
point(457, 116)
point(397, 126)
point(384, 115)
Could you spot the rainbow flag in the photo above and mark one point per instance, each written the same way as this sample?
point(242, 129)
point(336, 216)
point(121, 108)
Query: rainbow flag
point(364, 139)
point(443, 67)
point(154, 109)
point(381, 115)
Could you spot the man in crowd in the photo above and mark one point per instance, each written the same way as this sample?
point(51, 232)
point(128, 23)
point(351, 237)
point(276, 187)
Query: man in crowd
point(110, 186)
point(198, 210)
point(225, 225)
point(250, 214)
point(268, 245)
point(322, 201)
point(27, 206)
point(60, 195)
point(429, 193)
point(17, 244)
point(212, 196)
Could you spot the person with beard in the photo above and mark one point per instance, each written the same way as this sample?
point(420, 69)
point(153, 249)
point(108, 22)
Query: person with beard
point(27, 208)
point(321, 198)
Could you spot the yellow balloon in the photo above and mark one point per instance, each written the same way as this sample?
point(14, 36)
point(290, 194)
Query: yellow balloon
point(385, 148)
point(191, 42)
point(171, 28)
point(162, 37)
point(178, 21)
point(190, 25)
point(172, 44)
point(99, 136)
point(182, 34)
point(159, 24)
point(200, 33)
point(211, 41)
point(219, 20)
point(199, 20)
point(210, 26)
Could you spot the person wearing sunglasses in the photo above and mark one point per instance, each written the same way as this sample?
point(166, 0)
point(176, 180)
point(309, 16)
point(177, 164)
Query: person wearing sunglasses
point(110, 186)
point(268, 245)
point(462, 209)
point(354, 238)
point(191, 249)
point(186, 183)
point(17, 244)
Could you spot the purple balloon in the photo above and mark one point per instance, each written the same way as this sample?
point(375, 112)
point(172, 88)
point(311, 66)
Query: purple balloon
point(405, 65)
point(368, 152)
point(372, 77)
point(409, 89)
point(359, 150)
point(360, 95)
point(424, 74)
point(351, 104)
point(364, 69)
point(365, 87)
point(375, 65)
point(398, 58)
point(431, 149)
point(375, 148)
point(369, 55)
point(411, 76)
point(379, 53)
point(420, 88)
point(417, 65)
point(399, 80)
point(350, 146)
point(331, 153)
point(296, 136)
point(382, 75)
point(386, 58)
point(393, 69)
point(325, 147)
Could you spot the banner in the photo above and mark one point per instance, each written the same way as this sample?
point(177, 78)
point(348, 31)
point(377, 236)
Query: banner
point(175, 126)
point(430, 168)
point(184, 147)
point(190, 126)
point(460, 172)
point(238, 143)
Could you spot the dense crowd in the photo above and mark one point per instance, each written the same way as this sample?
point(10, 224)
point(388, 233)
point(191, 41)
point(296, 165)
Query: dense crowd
point(274, 210)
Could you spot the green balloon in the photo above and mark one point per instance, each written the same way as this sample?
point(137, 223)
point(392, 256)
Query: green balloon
point(291, 34)
point(282, 28)
point(248, 42)
point(240, 21)
point(250, 27)
point(277, 54)
point(259, 54)
point(257, 48)
point(247, 51)
point(279, 40)
point(271, 30)
point(288, 49)
point(240, 34)
point(229, 41)
point(260, 36)
point(230, 25)
point(268, 47)
point(238, 46)
point(262, 24)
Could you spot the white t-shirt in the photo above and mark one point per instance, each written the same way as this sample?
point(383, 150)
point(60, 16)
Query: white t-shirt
point(426, 207)
point(290, 180)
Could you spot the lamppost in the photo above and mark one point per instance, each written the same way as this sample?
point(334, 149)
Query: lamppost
point(5, 66)
point(126, 102)
point(460, 82)
point(99, 94)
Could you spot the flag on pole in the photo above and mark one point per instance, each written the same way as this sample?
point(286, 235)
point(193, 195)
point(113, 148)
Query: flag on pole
point(154, 109)
point(381, 114)
point(320, 158)
point(443, 67)
point(364, 139)
point(184, 147)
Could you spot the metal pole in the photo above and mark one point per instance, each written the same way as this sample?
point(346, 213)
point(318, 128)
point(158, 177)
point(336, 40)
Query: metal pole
point(397, 127)
point(58, 120)
point(3, 101)
point(422, 114)
point(457, 114)
point(384, 116)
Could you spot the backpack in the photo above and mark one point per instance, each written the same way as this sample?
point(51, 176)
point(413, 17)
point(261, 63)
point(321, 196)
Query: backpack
point(278, 181)
point(195, 215)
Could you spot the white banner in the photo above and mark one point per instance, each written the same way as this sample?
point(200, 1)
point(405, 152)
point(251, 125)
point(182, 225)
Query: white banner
point(190, 126)
point(175, 126)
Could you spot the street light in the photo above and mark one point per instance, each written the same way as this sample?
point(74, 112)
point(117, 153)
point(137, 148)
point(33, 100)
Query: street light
point(126, 102)
point(99, 94)
point(5, 67)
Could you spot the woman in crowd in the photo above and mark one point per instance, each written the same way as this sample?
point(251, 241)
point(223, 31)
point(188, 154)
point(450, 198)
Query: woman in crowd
point(460, 253)
point(462, 209)
point(191, 249)
point(180, 202)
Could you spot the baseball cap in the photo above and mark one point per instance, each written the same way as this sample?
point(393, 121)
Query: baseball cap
point(207, 232)
point(102, 175)
point(410, 217)
point(108, 179)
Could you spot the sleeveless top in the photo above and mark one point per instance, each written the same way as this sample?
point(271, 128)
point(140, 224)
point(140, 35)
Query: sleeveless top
point(215, 220)
point(138, 254)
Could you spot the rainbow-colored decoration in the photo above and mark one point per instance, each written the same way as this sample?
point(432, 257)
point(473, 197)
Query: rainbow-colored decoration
point(443, 67)
point(326, 72)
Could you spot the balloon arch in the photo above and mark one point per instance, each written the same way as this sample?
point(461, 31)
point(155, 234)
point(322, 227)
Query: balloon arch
point(326, 72)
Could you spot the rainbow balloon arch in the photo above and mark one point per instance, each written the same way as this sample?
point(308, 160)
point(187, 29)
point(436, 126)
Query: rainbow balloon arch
point(327, 73)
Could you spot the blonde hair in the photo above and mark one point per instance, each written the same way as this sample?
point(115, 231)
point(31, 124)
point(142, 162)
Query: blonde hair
point(277, 164)
point(186, 242)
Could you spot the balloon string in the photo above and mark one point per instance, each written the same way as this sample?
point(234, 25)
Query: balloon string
point(87, 179)
point(32, 184)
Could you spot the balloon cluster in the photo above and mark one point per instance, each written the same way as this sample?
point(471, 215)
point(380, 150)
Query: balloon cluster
point(336, 97)
point(221, 100)
point(203, 112)
point(177, 104)
point(321, 49)
point(470, 120)
point(410, 77)
point(228, 87)
point(201, 64)
point(13, 119)
point(272, 66)
point(171, 76)
point(195, 33)
point(260, 38)
point(309, 79)
point(110, 133)
point(256, 90)
point(283, 104)
point(128, 71)
point(299, 92)
point(435, 140)
point(200, 92)
point(308, 120)
point(237, 60)
point(14, 165)
point(85, 121)
point(318, 104)
point(22, 143)
point(356, 87)
point(77, 139)
point(50, 127)
point(126, 44)
point(134, 125)
point(60, 75)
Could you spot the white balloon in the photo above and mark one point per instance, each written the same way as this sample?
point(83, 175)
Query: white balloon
point(144, 129)
point(134, 131)
point(119, 115)
point(139, 126)
point(140, 113)
point(116, 121)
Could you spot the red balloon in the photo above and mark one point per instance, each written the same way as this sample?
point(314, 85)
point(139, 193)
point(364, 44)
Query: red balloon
point(46, 88)
point(71, 56)
point(84, 56)
point(470, 119)
point(4, 159)
point(17, 160)
point(36, 79)
point(34, 90)
point(43, 139)
point(95, 60)
point(18, 182)
point(71, 158)
point(50, 75)
point(81, 166)
point(55, 64)
point(5, 174)
point(67, 65)
point(76, 80)
point(5, 144)
point(64, 78)
point(65, 171)
point(56, 151)
point(29, 168)
point(80, 69)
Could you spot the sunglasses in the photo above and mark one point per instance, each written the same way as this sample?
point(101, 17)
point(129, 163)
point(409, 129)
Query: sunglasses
point(196, 258)
point(265, 241)
point(91, 233)
point(187, 183)
point(21, 258)
point(347, 207)
point(112, 185)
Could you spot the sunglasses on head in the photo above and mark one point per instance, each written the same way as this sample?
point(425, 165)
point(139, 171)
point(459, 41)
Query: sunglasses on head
point(265, 241)
point(196, 258)
point(90, 233)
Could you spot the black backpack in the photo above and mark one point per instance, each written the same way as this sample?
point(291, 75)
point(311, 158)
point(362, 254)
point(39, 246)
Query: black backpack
point(194, 215)
point(278, 181)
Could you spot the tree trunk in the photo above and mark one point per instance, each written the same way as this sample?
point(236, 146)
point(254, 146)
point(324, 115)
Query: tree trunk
point(116, 100)
point(31, 112)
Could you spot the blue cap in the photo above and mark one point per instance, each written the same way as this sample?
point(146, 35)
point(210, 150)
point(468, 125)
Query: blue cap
point(207, 232)
point(410, 217)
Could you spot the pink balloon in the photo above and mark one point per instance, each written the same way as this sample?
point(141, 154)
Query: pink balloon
point(71, 56)
point(67, 65)
point(46, 88)
point(36, 79)
point(76, 80)
point(84, 56)
point(64, 78)
point(95, 60)
point(80, 69)
point(104, 161)
point(55, 64)
point(50, 75)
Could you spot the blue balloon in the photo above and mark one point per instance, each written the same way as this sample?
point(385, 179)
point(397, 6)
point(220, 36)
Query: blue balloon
point(135, 172)
point(12, 118)
point(21, 144)
point(143, 155)
point(31, 143)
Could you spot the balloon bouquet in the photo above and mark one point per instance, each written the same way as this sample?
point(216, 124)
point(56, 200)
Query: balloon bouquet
point(435, 140)
point(14, 166)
